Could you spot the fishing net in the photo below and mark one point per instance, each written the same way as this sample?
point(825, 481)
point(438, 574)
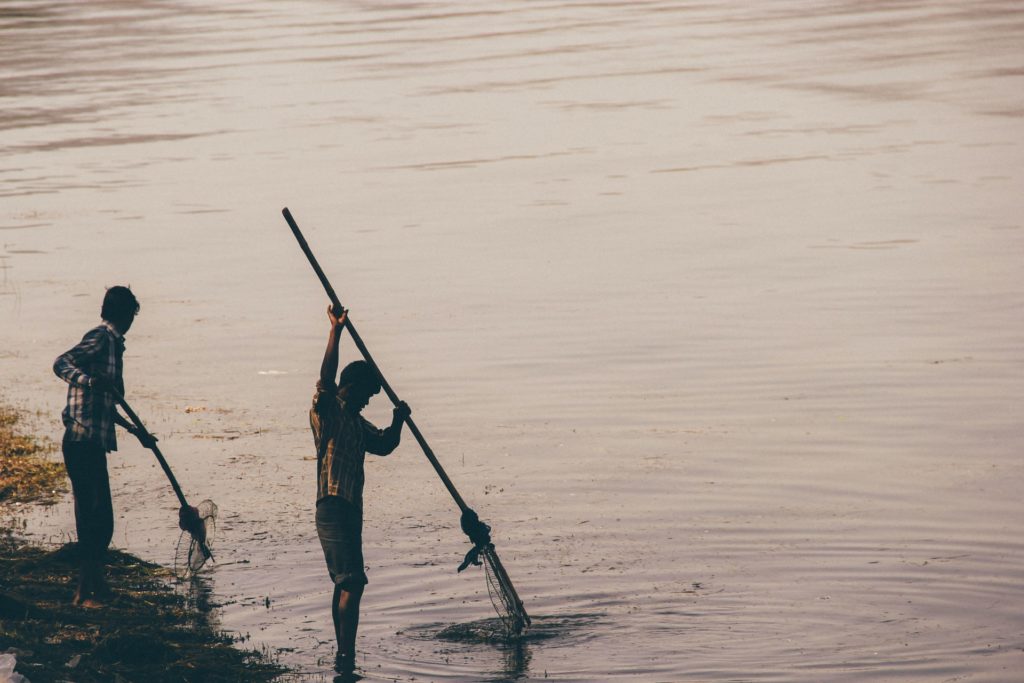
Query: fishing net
point(198, 526)
point(503, 594)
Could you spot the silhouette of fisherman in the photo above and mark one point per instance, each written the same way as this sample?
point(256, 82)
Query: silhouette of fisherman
point(343, 437)
point(93, 369)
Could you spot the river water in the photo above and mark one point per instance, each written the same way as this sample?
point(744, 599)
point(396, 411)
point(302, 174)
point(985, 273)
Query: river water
point(713, 310)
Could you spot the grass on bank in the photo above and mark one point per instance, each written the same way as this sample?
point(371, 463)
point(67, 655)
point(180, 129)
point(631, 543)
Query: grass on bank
point(147, 632)
point(26, 474)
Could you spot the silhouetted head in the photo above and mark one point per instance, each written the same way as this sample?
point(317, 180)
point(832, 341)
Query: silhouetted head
point(357, 384)
point(120, 308)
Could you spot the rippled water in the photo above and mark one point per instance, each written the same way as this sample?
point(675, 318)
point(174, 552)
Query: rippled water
point(712, 310)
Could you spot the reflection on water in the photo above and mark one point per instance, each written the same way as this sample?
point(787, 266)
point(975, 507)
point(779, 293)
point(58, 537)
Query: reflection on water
point(711, 310)
point(199, 597)
point(515, 651)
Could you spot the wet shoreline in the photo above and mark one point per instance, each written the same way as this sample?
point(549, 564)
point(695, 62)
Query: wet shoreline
point(149, 629)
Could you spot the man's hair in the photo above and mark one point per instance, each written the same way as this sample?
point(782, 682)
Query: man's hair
point(358, 372)
point(119, 303)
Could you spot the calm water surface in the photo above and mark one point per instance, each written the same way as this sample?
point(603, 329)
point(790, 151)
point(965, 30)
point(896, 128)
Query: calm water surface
point(712, 310)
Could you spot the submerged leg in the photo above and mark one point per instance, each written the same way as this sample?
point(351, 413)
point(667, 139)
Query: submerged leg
point(339, 526)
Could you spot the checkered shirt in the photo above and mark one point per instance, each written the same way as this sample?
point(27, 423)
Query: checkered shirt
point(342, 440)
point(89, 415)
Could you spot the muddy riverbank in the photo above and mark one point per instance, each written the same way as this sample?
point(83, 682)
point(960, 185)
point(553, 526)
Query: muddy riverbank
point(150, 630)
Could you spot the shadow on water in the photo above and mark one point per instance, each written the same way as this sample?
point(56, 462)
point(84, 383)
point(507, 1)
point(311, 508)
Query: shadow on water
point(515, 650)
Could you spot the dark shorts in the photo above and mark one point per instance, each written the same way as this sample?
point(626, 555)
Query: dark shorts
point(339, 524)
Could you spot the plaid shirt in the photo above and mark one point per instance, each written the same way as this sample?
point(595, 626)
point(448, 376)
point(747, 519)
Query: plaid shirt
point(90, 414)
point(342, 440)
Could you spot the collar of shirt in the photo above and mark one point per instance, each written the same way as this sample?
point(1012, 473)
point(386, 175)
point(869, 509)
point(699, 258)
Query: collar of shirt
point(114, 331)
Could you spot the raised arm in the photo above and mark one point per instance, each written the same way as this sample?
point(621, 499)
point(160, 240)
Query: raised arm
point(329, 368)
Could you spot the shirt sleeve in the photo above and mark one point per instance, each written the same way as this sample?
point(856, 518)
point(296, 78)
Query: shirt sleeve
point(379, 441)
point(324, 410)
point(325, 397)
point(69, 365)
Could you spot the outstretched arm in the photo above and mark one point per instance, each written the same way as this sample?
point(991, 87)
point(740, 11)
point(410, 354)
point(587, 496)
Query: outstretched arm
point(329, 368)
point(145, 438)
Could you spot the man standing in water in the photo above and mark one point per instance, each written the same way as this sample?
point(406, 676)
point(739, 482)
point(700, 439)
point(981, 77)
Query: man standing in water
point(93, 369)
point(342, 437)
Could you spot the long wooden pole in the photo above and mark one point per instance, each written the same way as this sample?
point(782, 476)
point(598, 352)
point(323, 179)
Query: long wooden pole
point(369, 359)
point(163, 463)
point(487, 550)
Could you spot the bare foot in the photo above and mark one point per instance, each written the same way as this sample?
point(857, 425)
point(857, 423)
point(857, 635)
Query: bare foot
point(90, 603)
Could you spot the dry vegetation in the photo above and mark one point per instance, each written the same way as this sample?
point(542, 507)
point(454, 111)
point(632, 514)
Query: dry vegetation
point(26, 474)
point(149, 631)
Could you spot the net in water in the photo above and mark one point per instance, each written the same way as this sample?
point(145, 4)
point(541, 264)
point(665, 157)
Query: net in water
point(189, 557)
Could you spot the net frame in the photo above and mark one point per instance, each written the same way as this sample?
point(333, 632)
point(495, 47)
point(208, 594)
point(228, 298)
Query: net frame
point(188, 556)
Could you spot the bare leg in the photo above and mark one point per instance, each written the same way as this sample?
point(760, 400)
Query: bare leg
point(82, 591)
point(335, 615)
point(104, 532)
point(347, 624)
point(349, 608)
point(90, 584)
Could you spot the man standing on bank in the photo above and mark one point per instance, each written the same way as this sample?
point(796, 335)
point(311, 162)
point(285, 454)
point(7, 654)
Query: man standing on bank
point(92, 370)
point(343, 437)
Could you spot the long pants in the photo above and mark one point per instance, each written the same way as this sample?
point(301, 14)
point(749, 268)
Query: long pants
point(86, 462)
